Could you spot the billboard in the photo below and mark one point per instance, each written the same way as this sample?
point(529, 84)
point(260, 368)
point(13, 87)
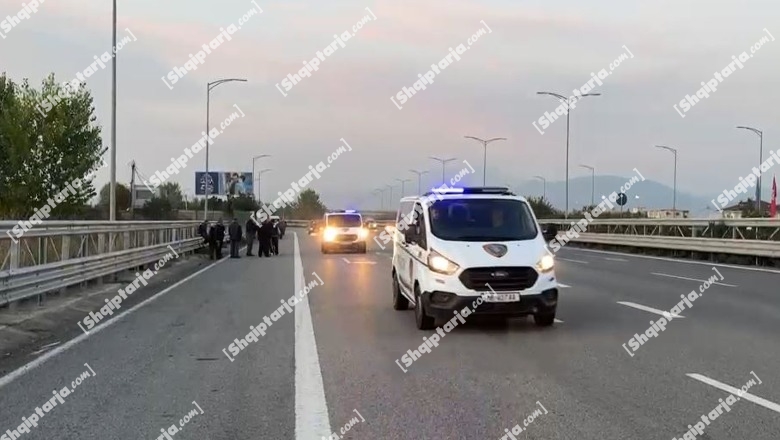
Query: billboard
point(224, 183)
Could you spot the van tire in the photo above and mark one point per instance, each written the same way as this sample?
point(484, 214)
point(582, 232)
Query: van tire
point(399, 300)
point(545, 319)
point(423, 321)
point(324, 249)
point(362, 248)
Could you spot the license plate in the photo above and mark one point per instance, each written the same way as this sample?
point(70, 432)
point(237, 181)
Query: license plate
point(501, 297)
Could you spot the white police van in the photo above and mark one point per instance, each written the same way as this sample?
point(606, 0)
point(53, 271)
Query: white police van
point(451, 247)
point(343, 230)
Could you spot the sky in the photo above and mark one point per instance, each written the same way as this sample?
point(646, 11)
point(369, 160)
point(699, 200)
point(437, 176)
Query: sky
point(490, 92)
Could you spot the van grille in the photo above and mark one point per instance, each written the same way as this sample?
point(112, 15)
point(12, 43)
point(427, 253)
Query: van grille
point(515, 278)
point(346, 237)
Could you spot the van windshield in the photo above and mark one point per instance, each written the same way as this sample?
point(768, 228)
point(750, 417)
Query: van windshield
point(345, 221)
point(482, 220)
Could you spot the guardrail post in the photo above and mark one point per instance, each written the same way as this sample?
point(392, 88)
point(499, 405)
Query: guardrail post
point(101, 249)
point(65, 255)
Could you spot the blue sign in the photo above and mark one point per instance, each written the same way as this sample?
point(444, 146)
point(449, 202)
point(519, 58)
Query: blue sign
point(201, 179)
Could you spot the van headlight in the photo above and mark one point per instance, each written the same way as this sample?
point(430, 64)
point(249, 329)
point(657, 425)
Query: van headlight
point(363, 233)
point(439, 264)
point(329, 234)
point(545, 264)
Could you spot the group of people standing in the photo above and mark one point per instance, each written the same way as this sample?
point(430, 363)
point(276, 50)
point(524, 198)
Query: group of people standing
point(267, 234)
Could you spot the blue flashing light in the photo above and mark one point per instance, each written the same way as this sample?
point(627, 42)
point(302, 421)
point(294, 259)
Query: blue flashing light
point(350, 211)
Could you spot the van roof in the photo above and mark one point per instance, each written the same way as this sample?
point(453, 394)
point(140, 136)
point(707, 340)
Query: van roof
point(469, 192)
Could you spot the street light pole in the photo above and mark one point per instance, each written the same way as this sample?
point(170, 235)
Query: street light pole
point(390, 206)
point(403, 186)
point(569, 102)
point(544, 186)
point(443, 163)
point(592, 184)
point(263, 171)
point(760, 160)
point(253, 171)
point(484, 158)
point(419, 179)
point(112, 186)
point(209, 87)
point(674, 200)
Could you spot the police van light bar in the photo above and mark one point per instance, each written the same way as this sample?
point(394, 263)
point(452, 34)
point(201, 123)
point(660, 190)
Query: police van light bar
point(473, 190)
point(350, 211)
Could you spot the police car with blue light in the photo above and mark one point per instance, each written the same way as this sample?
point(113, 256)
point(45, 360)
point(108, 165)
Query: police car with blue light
point(343, 230)
point(452, 247)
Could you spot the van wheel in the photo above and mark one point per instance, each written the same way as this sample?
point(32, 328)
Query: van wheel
point(399, 300)
point(324, 249)
point(545, 319)
point(423, 321)
point(362, 248)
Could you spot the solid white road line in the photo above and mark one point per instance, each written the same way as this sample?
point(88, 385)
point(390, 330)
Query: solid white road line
point(616, 259)
point(348, 262)
point(737, 392)
point(558, 320)
point(565, 286)
point(573, 261)
point(666, 315)
point(311, 408)
point(21, 371)
point(363, 262)
point(691, 279)
point(677, 260)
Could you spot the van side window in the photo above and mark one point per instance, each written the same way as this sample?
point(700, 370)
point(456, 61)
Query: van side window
point(419, 219)
point(403, 220)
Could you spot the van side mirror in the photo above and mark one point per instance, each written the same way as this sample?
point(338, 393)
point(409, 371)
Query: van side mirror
point(550, 233)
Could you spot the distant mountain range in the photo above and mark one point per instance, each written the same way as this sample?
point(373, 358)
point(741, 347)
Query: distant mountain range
point(646, 194)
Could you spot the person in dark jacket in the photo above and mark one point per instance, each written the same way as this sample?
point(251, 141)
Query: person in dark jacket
point(203, 231)
point(251, 233)
point(282, 228)
point(275, 233)
point(264, 237)
point(216, 238)
point(234, 230)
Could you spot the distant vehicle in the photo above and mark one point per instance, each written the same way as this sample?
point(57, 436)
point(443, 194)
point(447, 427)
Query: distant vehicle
point(315, 226)
point(371, 224)
point(344, 230)
point(472, 243)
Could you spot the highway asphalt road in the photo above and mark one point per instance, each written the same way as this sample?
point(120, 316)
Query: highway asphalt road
point(332, 361)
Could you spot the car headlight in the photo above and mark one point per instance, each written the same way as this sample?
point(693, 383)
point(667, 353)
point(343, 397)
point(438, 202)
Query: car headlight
point(440, 264)
point(329, 234)
point(545, 264)
point(363, 233)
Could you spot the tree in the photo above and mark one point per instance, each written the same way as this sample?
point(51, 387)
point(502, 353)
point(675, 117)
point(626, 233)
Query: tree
point(43, 152)
point(171, 191)
point(122, 197)
point(158, 208)
point(542, 208)
point(308, 206)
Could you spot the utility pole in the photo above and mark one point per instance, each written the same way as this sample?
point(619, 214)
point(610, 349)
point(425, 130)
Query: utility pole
point(132, 190)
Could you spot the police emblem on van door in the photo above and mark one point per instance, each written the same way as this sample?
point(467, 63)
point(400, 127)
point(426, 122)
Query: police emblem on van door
point(496, 250)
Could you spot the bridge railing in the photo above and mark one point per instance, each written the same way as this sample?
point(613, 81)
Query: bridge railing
point(57, 254)
point(759, 237)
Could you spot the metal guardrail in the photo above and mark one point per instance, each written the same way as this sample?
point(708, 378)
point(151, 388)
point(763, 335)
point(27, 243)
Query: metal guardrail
point(757, 237)
point(58, 254)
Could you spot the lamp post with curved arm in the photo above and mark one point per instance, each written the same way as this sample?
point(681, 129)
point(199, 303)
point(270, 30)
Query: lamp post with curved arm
point(209, 87)
point(569, 101)
point(674, 199)
point(443, 163)
point(260, 173)
point(592, 184)
point(760, 159)
point(419, 179)
point(484, 158)
point(544, 186)
point(253, 171)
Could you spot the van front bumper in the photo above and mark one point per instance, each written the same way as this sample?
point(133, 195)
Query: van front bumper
point(442, 305)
